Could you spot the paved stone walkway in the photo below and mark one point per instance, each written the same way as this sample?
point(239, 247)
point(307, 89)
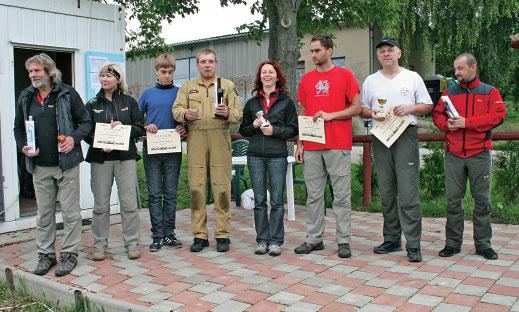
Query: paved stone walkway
point(176, 279)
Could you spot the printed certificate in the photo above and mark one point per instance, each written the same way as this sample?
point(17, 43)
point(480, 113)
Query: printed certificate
point(310, 130)
point(164, 141)
point(390, 129)
point(116, 138)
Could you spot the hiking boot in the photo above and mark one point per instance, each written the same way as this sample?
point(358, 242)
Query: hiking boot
point(45, 263)
point(414, 255)
point(343, 250)
point(172, 241)
point(387, 247)
point(199, 244)
point(449, 251)
point(98, 255)
point(261, 248)
point(222, 244)
point(134, 254)
point(274, 250)
point(156, 245)
point(307, 248)
point(66, 264)
point(488, 254)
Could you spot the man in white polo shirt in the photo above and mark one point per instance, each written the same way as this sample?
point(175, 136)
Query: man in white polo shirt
point(398, 167)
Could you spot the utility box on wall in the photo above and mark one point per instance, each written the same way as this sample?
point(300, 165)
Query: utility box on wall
point(68, 31)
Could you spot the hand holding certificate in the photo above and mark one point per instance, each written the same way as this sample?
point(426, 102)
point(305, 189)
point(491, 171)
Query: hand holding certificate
point(163, 141)
point(116, 138)
point(390, 129)
point(310, 130)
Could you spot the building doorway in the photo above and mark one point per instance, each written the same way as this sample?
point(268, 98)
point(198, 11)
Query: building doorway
point(65, 62)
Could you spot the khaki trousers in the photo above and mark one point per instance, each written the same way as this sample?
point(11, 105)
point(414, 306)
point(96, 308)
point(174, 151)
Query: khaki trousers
point(102, 178)
point(210, 150)
point(51, 184)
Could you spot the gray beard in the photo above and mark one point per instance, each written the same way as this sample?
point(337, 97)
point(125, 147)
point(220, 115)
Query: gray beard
point(41, 85)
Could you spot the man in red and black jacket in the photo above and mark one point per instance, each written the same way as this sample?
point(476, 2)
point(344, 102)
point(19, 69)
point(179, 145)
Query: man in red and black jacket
point(468, 142)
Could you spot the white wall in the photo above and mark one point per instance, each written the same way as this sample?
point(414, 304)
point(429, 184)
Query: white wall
point(52, 25)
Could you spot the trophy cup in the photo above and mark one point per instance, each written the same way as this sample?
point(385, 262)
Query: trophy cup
point(381, 103)
point(218, 98)
point(264, 122)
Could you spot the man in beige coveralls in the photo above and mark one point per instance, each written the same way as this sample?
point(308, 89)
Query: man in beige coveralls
point(209, 144)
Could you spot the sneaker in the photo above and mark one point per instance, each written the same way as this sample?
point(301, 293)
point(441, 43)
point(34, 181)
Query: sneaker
point(156, 245)
point(274, 250)
point(134, 254)
point(488, 254)
point(414, 255)
point(307, 248)
point(387, 247)
point(98, 255)
point(449, 251)
point(45, 263)
point(199, 244)
point(172, 241)
point(343, 250)
point(261, 248)
point(66, 264)
point(222, 244)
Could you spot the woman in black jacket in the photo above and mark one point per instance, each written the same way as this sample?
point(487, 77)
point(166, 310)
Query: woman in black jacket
point(112, 106)
point(269, 119)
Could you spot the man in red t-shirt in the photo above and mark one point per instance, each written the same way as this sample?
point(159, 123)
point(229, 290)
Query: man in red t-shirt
point(331, 93)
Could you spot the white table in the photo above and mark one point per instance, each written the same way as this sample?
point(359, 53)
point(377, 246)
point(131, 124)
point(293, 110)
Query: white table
point(242, 160)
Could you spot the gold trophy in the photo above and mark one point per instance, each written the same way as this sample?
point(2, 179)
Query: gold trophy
point(381, 103)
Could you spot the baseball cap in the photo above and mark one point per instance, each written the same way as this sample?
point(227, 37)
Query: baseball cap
point(390, 41)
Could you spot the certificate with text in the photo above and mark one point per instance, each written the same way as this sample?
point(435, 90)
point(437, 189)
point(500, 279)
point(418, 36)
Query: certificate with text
point(310, 130)
point(163, 141)
point(389, 130)
point(116, 138)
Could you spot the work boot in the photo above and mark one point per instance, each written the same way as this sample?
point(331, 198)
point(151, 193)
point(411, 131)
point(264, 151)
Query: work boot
point(199, 244)
point(488, 254)
point(134, 254)
point(45, 263)
point(307, 248)
point(222, 244)
point(449, 251)
point(66, 264)
point(343, 250)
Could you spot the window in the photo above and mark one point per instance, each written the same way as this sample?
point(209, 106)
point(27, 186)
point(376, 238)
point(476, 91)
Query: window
point(339, 61)
point(186, 70)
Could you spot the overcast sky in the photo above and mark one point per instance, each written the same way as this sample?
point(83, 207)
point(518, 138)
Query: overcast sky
point(212, 20)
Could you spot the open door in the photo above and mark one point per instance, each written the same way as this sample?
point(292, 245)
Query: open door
point(64, 62)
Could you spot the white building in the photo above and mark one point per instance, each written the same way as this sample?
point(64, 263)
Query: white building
point(78, 35)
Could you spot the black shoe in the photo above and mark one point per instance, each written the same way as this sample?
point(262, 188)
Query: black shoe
point(222, 244)
point(488, 254)
point(66, 264)
point(45, 263)
point(344, 250)
point(414, 255)
point(386, 247)
point(449, 251)
point(156, 245)
point(307, 248)
point(172, 241)
point(199, 244)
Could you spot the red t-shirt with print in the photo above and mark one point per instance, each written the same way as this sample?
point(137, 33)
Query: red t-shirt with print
point(330, 91)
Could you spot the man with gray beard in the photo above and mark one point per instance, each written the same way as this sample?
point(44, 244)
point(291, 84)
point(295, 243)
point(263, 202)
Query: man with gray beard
point(61, 121)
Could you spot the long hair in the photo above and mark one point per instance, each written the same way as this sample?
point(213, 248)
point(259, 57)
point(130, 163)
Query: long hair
point(48, 66)
point(280, 84)
point(106, 69)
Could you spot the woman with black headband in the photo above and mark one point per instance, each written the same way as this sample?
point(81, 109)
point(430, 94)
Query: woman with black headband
point(112, 106)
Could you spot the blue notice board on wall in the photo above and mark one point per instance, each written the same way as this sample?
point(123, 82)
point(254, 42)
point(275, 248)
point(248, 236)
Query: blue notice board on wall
point(94, 61)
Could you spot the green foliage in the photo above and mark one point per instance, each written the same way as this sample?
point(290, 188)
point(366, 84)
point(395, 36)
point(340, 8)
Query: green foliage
point(432, 175)
point(506, 171)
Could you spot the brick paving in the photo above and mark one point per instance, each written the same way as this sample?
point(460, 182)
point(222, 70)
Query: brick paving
point(239, 280)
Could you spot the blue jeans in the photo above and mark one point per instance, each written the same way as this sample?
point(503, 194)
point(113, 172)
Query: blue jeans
point(162, 174)
point(271, 170)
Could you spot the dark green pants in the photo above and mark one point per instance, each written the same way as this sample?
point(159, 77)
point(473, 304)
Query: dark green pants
point(477, 170)
point(398, 172)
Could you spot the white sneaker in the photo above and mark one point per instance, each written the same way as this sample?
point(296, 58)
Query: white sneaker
point(274, 250)
point(261, 249)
